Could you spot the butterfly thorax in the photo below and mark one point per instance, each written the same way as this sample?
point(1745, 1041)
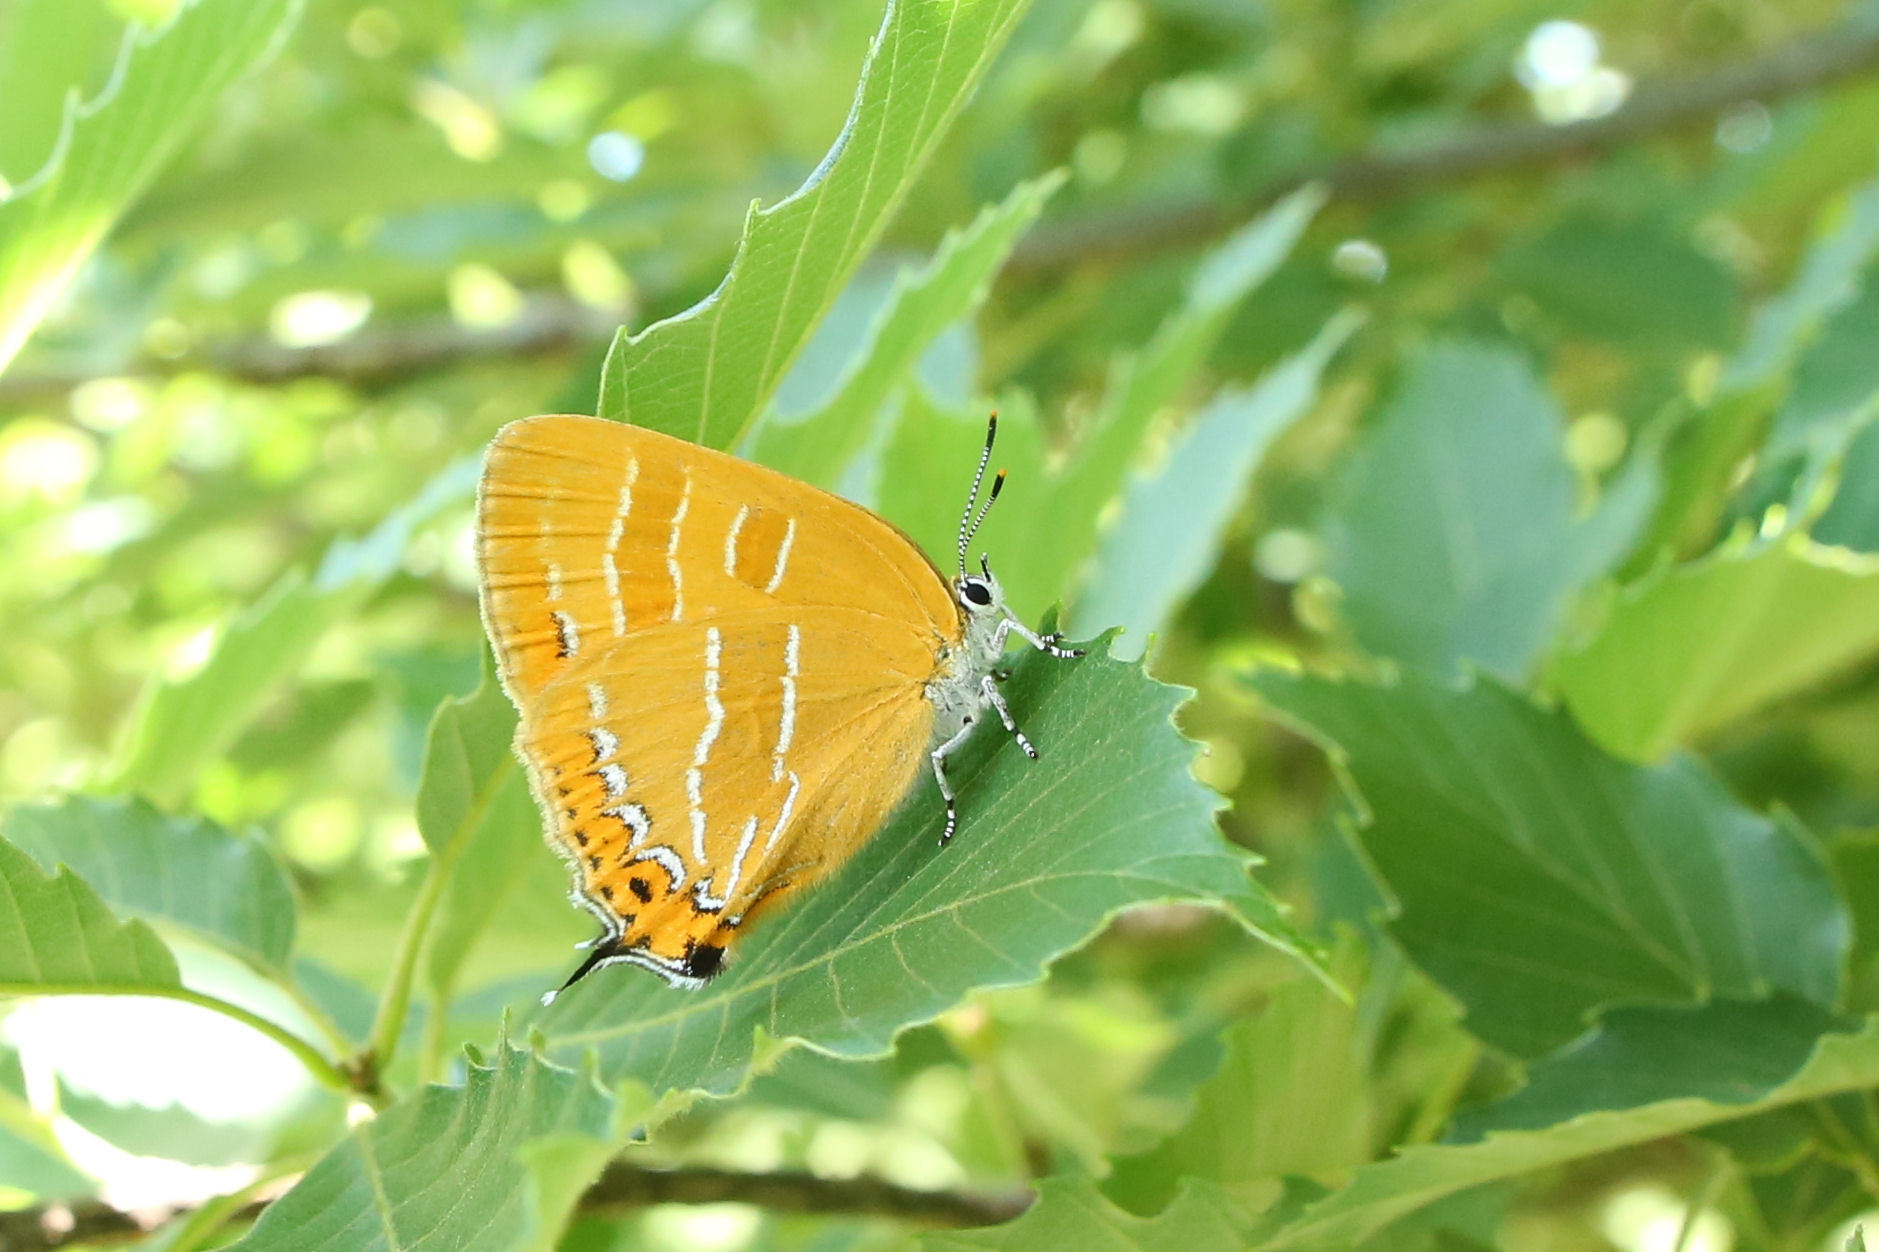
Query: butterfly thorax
point(954, 689)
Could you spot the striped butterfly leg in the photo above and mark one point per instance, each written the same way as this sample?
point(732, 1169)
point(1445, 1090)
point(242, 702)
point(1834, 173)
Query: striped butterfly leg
point(990, 697)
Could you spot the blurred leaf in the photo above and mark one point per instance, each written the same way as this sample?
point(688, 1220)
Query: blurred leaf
point(1836, 381)
point(1639, 284)
point(1544, 883)
point(166, 82)
point(1380, 1193)
point(706, 374)
point(57, 937)
point(1144, 385)
point(819, 447)
point(378, 1190)
point(479, 821)
point(1725, 1051)
point(1071, 1213)
point(1705, 452)
point(1289, 1099)
point(1829, 278)
point(1852, 519)
point(1046, 853)
point(224, 887)
point(1174, 521)
point(1856, 1242)
point(1699, 646)
point(31, 1159)
point(1452, 532)
point(1045, 529)
point(184, 723)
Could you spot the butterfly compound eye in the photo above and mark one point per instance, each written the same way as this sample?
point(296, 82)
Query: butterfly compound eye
point(977, 592)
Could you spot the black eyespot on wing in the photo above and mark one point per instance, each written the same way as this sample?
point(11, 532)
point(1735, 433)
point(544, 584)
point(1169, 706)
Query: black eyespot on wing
point(704, 960)
point(977, 592)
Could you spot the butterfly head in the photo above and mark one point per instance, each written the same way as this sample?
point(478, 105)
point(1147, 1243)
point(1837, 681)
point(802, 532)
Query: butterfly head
point(979, 594)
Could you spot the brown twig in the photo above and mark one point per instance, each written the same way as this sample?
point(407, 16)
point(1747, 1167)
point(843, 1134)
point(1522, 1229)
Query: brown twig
point(1806, 63)
point(621, 1189)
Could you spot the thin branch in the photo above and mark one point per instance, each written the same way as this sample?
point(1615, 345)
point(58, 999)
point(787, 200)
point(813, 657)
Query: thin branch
point(1803, 64)
point(620, 1190)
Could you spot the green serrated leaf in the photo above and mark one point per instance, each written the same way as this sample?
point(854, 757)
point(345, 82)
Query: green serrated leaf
point(1543, 882)
point(478, 819)
point(223, 887)
point(1174, 522)
point(1047, 851)
point(706, 374)
point(1726, 1052)
point(1381, 1193)
point(183, 724)
point(108, 149)
point(1453, 532)
point(820, 446)
point(1073, 1214)
point(379, 1190)
point(58, 937)
point(1698, 646)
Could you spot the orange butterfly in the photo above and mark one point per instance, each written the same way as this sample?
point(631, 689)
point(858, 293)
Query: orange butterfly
point(727, 678)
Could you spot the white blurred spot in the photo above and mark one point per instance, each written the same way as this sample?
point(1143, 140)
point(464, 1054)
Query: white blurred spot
point(308, 319)
point(703, 1227)
point(481, 297)
point(468, 125)
point(1559, 65)
point(1651, 1219)
point(1203, 104)
point(107, 525)
point(1557, 54)
point(1361, 259)
point(1286, 555)
point(616, 155)
point(46, 460)
point(1745, 127)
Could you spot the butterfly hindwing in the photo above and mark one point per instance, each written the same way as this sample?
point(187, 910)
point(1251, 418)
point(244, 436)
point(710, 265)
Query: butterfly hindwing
point(720, 672)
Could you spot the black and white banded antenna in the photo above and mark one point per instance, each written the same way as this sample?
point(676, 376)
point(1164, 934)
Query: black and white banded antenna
point(969, 522)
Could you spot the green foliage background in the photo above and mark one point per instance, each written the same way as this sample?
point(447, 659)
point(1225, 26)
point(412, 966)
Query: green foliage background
point(1471, 841)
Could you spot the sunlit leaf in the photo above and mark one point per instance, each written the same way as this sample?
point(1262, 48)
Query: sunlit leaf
point(1381, 1193)
point(818, 447)
point(1695, 647)
point(1453, 533)
point(440, 1170)
point(706, 374)
point(57, 936)
point(224, 887)
point(166, 82)
point(1046, 853)
point(1542, 882)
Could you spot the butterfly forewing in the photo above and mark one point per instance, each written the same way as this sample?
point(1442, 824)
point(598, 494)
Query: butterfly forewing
point(720, 671)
